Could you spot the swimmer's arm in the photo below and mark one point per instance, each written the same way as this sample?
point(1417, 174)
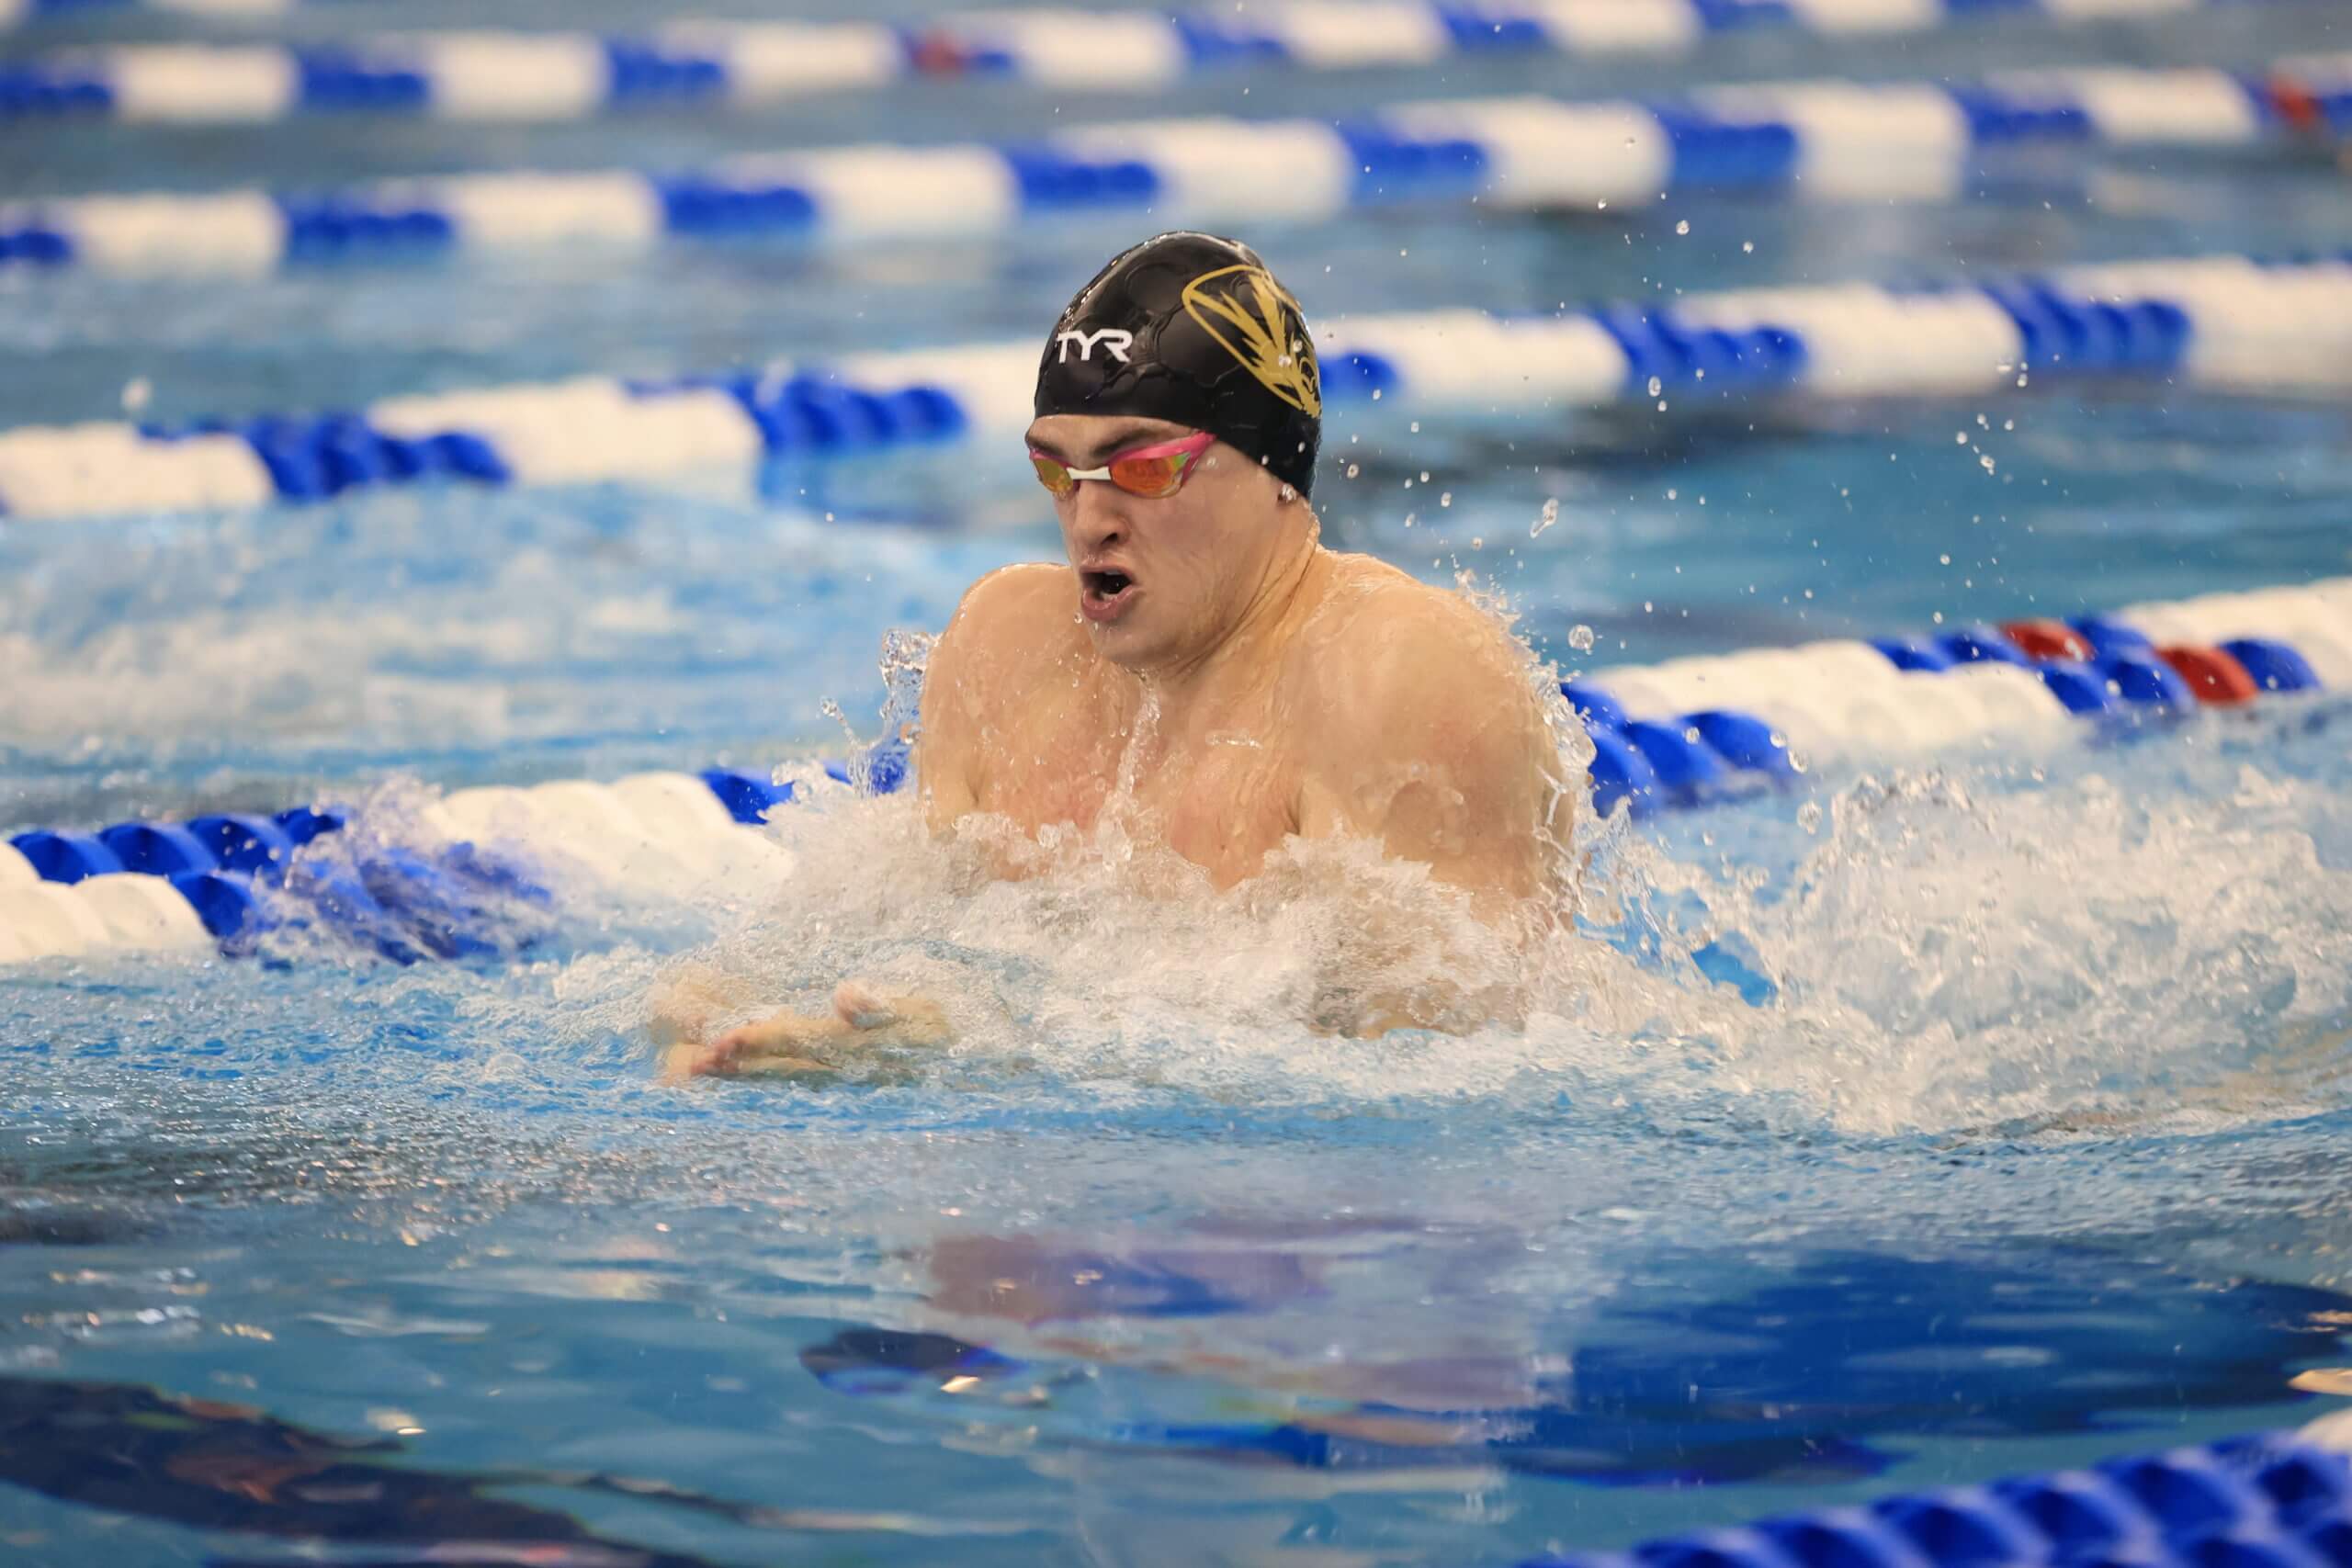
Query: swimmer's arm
point(970, 668)
point(1432, 742)
point(1436, 746)
point(946, 751)
point(973, 671)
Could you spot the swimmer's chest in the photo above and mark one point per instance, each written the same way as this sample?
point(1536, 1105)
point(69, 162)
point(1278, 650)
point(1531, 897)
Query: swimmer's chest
point(1221, 800)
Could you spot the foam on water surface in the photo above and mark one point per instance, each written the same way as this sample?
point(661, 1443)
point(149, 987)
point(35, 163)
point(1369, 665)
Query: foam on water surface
point(2047, 1068)
point(1947, 951)
point(2021, 1067)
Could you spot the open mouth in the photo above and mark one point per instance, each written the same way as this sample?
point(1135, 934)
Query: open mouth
point(1102, 595)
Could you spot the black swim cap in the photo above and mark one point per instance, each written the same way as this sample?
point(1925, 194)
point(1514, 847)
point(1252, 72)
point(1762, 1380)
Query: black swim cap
point(1193, 330)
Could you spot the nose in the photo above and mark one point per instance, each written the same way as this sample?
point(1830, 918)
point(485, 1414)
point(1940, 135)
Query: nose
point(1098, 517)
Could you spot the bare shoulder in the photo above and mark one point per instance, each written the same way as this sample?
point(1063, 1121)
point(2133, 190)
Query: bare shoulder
point(1013, 598)
point(1014, 628)
point(1421, 722)
point(1385, 643)
point(1016, 620)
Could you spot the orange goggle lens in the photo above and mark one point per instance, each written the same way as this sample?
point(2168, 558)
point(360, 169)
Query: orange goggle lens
point(1154, 478)
point(1154, 472)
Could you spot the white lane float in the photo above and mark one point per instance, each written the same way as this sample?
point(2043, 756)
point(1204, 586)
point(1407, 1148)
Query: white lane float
point(1680, 734)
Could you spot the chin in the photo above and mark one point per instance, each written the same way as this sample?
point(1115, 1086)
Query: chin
point(1127, 644)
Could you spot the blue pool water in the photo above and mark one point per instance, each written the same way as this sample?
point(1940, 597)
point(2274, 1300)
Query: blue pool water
point(2031, 1150)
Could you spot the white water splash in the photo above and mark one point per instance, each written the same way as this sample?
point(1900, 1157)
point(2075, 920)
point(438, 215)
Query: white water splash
point(1953, 950)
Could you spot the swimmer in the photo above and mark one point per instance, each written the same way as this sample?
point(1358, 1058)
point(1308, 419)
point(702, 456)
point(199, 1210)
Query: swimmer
point(1203, 664)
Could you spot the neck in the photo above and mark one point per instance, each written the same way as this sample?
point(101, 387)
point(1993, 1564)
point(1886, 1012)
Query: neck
point(1237, 661)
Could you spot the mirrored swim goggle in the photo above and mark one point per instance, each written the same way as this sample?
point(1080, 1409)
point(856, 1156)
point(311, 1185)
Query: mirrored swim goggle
point(1154, 472)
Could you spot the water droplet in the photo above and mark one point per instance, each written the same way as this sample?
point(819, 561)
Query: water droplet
point(1672, 494)
point(1656, 386)
point(1985, 462)
point(1580, 637)
point(2008, 424)
point(1690, 734)
point(1416, 427)
point(1352, 470)
point(136, 394)
point(1959, 438)
point(1683, 227)
point(1944, 560)
point(1425, 476)
point(1375, 394)
point(1549, 515)
point(1748, 247)
point(1445, 498)
point(1478, 541)
point(1290, 492)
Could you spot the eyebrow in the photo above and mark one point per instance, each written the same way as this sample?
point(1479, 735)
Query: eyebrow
point(1118, 440)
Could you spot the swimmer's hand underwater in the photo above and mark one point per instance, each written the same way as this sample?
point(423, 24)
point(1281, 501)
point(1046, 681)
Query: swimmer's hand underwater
point(790, 1043)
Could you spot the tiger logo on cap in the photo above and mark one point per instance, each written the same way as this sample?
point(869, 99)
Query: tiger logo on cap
point(1255, 319)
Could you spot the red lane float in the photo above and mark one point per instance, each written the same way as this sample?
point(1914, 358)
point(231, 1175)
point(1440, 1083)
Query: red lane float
point(2214, 678)
point(2044, 639)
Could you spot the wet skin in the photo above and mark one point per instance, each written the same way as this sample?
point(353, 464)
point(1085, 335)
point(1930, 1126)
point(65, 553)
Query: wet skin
point(1246, 685)
point(1205, 670)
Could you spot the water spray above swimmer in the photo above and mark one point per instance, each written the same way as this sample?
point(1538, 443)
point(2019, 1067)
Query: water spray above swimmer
point(1204, 675)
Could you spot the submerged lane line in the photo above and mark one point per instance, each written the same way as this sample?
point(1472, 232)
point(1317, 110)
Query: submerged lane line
point(2278, 1497)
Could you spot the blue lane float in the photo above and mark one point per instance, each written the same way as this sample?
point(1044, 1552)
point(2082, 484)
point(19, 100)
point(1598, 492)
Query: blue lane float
point(1802, 140)
point(699, 63)
point(2226, 322)
point(2272, 1500)
point(15, 14)
point(1674, 736)
point(1763, 715)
